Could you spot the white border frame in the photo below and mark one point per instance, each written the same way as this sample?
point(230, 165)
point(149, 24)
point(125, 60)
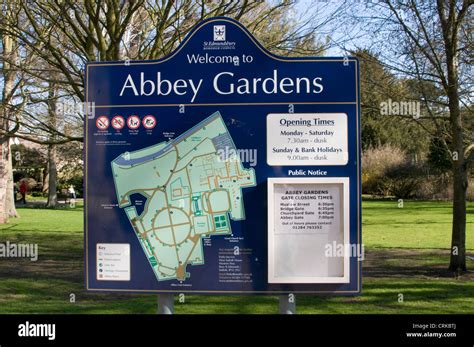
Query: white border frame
point(271, 226)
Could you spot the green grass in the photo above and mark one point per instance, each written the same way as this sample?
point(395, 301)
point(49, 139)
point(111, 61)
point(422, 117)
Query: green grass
point(418, 224)
point(406, 253)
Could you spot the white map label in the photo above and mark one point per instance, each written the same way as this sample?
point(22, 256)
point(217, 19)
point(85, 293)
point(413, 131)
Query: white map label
point(113, 262)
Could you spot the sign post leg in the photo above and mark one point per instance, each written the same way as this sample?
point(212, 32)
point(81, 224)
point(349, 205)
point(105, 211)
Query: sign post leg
point(165, 304)
point(287, 304)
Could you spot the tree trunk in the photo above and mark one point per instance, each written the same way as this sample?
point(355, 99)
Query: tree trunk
point(6, 173)
point(7, 199)
point(450, 27)
point(52, 177)
point(460, 182)
point(458, 243)
point(45, 180)
point(460, 172)
point(3, 181)
point(10, 203)
point(52, 169)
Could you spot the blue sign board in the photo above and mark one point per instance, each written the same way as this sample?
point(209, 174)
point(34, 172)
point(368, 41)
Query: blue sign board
point(223, 168)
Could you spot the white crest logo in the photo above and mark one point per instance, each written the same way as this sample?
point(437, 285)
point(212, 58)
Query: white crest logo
point(219, 32)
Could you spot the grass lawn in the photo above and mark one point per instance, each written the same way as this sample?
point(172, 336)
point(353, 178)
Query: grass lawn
point(418, 224)
point(407, 252)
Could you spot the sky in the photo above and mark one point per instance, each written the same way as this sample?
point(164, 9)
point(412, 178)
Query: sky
point(320, 10)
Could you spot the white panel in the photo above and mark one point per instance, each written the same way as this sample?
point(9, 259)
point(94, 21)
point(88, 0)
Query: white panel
point(307, 139)
point(307, 217)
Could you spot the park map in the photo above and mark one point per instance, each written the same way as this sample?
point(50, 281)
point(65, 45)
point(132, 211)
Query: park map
point(192, 185)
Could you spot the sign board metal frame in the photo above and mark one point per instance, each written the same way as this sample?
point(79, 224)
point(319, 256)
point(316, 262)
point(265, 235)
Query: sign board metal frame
point(120, 90)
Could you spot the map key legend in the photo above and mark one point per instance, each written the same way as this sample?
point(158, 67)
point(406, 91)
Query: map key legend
point(113, 262)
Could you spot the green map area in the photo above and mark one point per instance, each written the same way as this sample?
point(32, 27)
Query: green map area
point(191, 190)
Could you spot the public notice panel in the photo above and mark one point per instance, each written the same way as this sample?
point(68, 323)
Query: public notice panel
point(223, 168)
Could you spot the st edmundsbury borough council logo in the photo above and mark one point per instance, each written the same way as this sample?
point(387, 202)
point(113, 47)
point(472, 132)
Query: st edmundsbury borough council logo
point(219, 32)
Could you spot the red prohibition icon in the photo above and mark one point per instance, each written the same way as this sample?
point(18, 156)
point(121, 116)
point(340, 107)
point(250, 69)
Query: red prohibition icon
point(133, 122)
point(102, 123)
point(149, 122)
point(118, 122)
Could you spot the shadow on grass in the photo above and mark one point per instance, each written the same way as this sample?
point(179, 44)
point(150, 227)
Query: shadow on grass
point(45, 286)
point(61, 207)
point(409, 263)
point(384, 223)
